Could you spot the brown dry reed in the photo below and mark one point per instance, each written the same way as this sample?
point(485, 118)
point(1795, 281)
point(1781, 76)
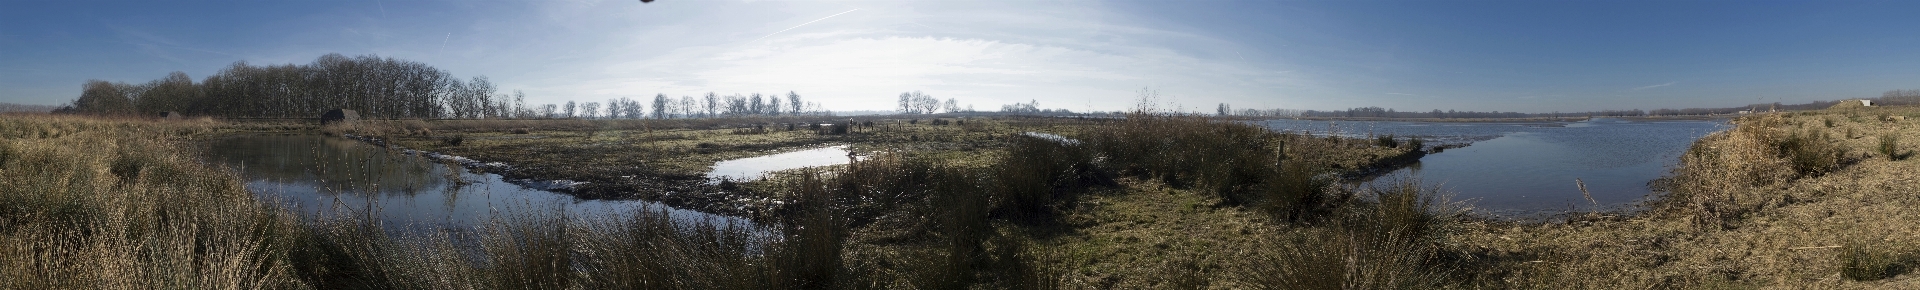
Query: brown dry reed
point(1718, 175)
point(114, 204)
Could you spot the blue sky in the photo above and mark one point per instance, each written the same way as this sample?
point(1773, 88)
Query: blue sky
point(1530, 56)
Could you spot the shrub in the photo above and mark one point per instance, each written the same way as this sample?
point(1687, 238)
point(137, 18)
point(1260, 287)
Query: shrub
point(1392, 240)
point(1865, 262)
point(1890, 146)
point(1299, 191)
point(1387, 141)
point(1224, 159)
point(1035, 173)
point(1811, 153)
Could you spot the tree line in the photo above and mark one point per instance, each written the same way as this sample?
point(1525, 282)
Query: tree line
point(377, 87)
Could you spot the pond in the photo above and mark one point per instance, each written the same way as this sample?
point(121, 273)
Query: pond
point(756, 167)
point(1532, 168)
point(320, 175)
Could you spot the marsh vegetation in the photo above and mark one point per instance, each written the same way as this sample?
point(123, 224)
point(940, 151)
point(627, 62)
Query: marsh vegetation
point(1806, 199)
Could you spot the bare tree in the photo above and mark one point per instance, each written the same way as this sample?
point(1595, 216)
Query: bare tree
point(689, 106)
point(773, 105)
point(793, 102)
point(713, 104)
point(590, 110)
point(568, 109)
point(613, 109)
point(906, 102)
point(755, 105)
point(660, 106)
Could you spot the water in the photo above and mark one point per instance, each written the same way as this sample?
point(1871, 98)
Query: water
point(1436, 133)
point(1530, 168)
point(1052, 138)
point(320, 175)
point(756, 167)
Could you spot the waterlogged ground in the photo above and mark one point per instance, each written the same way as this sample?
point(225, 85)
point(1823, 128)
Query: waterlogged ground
point(322, 175)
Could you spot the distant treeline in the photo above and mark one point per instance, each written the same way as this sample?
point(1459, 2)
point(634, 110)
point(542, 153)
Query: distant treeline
point(12, 107)
point(1894, 97)
point(378, 87)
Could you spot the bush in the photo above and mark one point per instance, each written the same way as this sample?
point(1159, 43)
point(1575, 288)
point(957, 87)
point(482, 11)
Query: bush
point(1890, 146)
point(1299, 192)
point(1392, 240)
point(1866, 262)
point(1387, 141)
point(1036, 173)
point(1224, 159)
point(1811, 153)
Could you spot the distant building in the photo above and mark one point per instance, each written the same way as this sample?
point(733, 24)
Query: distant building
point(171, 115)
point(1866, 103)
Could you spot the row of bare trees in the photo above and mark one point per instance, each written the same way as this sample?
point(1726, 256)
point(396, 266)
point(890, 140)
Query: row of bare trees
point(916, 102)
point(374, 86)
point(387, 88)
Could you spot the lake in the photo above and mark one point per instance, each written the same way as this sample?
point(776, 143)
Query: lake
point(1530, 168)
point(319, 175)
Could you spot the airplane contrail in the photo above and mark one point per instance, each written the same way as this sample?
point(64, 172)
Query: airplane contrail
point(804, 24)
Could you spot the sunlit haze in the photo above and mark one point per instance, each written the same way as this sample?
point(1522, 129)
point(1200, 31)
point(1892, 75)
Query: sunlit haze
point(1529, 56)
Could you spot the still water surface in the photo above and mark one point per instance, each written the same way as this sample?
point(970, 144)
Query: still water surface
point(1530, 168)
point(322, 175)
point(751, 168)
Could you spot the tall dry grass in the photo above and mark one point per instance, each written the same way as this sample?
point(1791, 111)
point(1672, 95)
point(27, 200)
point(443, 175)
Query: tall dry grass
point(114, 204)
point(1720, 176)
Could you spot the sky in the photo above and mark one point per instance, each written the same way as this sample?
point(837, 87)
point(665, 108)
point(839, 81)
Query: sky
point(1527, 56)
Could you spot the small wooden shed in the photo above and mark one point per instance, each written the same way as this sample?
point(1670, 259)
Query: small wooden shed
point(339, 116)
point(171, 115)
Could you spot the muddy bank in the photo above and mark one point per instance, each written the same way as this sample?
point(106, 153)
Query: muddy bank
point(690, 192)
